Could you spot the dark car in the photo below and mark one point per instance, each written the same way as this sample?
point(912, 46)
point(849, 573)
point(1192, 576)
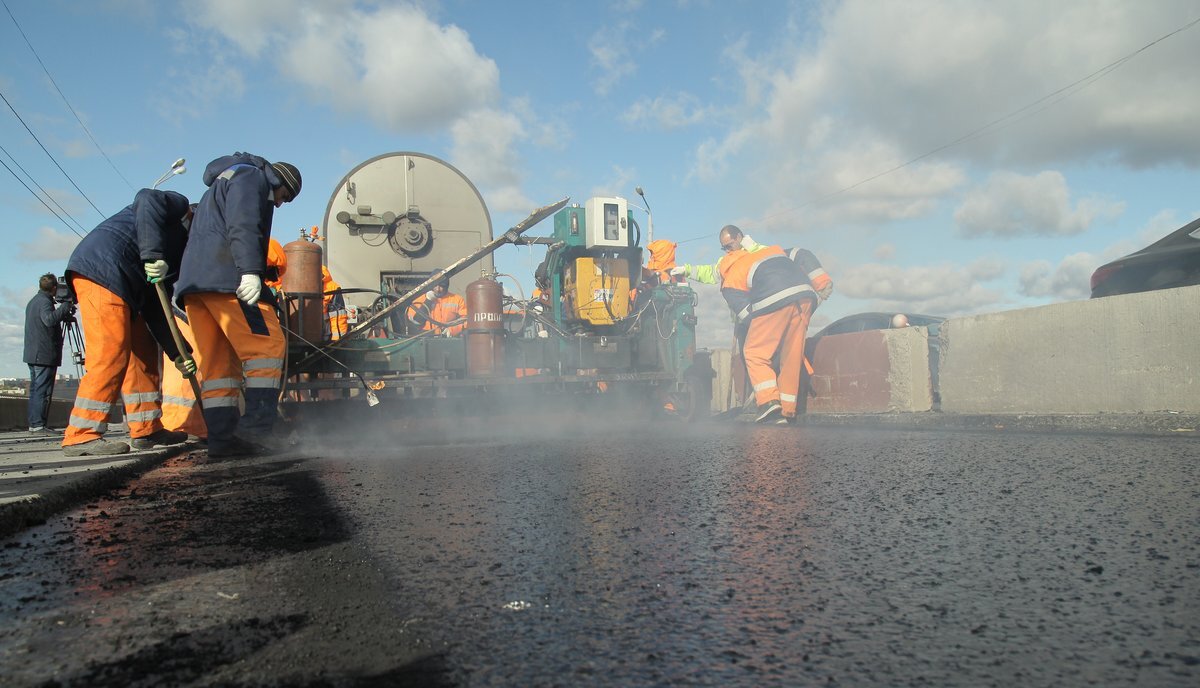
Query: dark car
point(1172, 261)
point(861, 322)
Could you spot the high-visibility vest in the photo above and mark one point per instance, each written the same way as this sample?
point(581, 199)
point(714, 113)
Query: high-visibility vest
point(762, 281)
point(276, 264)
point(336, 315)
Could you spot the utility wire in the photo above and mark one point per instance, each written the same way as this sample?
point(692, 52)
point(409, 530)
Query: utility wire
point(40, 199)
point(44, 192)
point(39, 142)
point(64, 97)
point(995, 125)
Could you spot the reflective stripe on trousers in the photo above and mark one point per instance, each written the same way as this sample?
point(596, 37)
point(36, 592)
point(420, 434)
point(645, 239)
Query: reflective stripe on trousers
point(123, 360)
point(236, 352)
point(783, 330)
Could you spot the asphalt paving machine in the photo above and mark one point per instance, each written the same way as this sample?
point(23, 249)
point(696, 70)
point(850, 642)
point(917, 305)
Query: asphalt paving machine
point(594, 328)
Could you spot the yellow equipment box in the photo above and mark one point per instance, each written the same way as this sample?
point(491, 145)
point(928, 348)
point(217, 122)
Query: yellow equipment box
point(598, 289)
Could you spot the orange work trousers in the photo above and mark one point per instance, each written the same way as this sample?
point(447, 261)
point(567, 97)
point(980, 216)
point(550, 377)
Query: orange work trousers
point(239, 346)
point(122, 358)
point(784, 331)
point(180, 408)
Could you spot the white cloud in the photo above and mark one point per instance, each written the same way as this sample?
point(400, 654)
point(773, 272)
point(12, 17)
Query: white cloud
point(48, 244)
point(935, 290)
point(888, 83)
point(611, 57)
point(484, 143)
point(668, 112)
point(1070, 279)
point(1010, 204)
point(884, 252)
point(400, 67)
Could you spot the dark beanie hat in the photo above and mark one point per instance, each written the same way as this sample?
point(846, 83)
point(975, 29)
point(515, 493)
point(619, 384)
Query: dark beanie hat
point(289, 175)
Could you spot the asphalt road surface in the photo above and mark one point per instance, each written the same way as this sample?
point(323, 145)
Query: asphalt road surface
point(719, 554)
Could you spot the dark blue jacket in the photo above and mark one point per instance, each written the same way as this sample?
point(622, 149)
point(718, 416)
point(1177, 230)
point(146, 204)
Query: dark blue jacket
point(232, 226)
point(43, 330)
point(113, 255)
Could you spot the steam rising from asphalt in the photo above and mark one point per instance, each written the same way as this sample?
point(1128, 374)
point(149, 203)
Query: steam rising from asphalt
point(517, 413)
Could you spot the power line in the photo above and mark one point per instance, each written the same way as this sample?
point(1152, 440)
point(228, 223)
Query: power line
point(14, 174)
point(60, 167)
point(64, 97)
point(44, 192)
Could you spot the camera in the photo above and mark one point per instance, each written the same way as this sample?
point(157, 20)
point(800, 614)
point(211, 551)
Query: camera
point(62, 293)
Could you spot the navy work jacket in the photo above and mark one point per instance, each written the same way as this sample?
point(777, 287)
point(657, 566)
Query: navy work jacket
point(232, 226)
point(114, 253)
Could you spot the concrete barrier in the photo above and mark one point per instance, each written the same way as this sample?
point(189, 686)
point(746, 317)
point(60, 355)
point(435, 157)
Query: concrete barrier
point(14, 413)
point(1135, 353)
point(877, 371)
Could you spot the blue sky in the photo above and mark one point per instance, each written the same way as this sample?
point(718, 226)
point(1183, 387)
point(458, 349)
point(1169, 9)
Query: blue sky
point(749, 112)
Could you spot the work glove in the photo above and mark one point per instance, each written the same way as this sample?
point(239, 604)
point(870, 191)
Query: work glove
point(249, 289)
point(155, 270)
point(824, 293)
point(681, 271)
point(747, 242)
point(447, 333)
point(186, 366)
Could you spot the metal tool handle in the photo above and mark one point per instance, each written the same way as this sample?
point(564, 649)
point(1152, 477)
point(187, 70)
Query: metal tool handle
point(177, 335)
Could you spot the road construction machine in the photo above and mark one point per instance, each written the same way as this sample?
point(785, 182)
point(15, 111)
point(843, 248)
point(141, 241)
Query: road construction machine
point(598, 327)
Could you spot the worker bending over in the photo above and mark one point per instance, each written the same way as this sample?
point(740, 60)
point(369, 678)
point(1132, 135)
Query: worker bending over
point(221, 288)
point(439, 311)
point(110, 273)
point(773, 300)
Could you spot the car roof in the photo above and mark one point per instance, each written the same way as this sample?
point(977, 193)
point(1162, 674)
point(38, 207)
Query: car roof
point(1186, 236)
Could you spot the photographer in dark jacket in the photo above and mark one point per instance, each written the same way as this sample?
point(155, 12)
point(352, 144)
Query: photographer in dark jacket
point(43, 348)
point(111, 273)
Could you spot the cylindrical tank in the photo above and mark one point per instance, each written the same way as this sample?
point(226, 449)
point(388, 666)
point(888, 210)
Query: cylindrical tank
point(485, 329)
point(302, 285)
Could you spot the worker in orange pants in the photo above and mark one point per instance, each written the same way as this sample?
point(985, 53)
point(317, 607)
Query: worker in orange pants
point(237, 341)
point(784, 331)
point(110, 272)
point(122, 357)
point(232, 316)
point(180, 408)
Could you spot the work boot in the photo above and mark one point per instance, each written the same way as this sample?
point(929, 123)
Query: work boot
point(770, 413)
point(235, 446)
point(100, 447)
point(45, 431)
point(158, 438)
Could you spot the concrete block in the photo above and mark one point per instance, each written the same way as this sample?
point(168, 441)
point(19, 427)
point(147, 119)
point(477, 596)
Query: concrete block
point(14, 413)
point(878, 371)
point(1120, 354)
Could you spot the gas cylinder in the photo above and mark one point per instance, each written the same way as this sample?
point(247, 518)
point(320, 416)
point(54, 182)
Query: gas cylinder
point(485, 329)
point(302, 285)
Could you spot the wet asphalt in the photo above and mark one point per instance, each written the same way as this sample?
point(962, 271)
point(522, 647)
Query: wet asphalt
point(718, 554)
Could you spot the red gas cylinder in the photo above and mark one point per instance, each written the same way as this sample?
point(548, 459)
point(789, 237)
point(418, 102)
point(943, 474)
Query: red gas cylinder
point(485, 329)
point(302, 285)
